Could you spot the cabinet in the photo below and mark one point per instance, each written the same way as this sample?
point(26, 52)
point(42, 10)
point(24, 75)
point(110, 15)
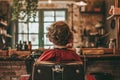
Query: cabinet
point(106, 63)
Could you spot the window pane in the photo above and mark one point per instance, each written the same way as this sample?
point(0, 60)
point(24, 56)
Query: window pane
point(46, 40)
point(60, 18)
point(23, 17)
point(33, 28)
point(35, 47)
point(60, 13)
point(22, 28)
point(23, 37)
point(36, 18)
point(48, 18)
point(33, 38)
point(20, 37)
point(48, 47)
point(49, 13)
point(46, 25)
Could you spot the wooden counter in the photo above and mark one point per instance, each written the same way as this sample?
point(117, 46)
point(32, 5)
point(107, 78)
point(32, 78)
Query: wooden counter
point(9, 53)
point(107, 62)
point(100, 51)
point(101, 56)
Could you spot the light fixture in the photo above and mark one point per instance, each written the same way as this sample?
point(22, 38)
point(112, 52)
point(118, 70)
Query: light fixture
point(81, 3)
point(49, 1)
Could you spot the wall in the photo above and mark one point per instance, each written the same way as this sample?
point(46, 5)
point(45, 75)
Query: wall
point(12, 69)
point(112, 32)
point(80, 20)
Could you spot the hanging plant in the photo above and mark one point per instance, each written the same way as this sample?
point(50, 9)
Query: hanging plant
point(24, 9)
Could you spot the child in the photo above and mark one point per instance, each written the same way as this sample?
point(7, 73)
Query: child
point(60, 35)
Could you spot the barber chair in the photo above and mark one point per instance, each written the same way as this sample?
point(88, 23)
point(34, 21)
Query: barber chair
point(46, 70)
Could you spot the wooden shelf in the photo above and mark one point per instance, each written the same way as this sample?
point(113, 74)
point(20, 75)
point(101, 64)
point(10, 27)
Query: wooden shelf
point(108, 53)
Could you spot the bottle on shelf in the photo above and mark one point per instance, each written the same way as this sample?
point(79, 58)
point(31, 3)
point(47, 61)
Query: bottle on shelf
point(17, 46)
point(29, 46)
point(25, 46)
point(111, 44)
point(20, 45)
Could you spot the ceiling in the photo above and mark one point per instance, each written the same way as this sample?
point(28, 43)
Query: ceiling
point(51, 0)
point(60, 0)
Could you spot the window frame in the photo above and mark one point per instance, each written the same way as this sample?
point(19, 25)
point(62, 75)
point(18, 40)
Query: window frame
point(42, 20)
point(41, 25)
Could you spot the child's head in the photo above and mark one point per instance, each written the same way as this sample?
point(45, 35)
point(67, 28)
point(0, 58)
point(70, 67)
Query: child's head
point(59, 33)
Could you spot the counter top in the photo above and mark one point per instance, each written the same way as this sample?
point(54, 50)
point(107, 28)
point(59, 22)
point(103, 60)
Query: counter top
point(101, 57)
point(100, 51)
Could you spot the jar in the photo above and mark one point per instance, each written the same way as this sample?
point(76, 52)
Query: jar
point(111, 44)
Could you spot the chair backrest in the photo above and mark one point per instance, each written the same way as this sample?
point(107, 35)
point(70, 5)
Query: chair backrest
point(46, 70)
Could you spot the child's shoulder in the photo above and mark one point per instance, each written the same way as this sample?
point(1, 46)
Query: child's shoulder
point(49, 50)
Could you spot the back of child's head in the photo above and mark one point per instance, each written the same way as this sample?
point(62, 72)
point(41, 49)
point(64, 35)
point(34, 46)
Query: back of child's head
point(59, 33)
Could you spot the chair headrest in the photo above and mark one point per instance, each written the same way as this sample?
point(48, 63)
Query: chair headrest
point(61, 63)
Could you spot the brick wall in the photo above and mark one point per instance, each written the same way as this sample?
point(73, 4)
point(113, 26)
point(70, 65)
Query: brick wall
point(12, 70)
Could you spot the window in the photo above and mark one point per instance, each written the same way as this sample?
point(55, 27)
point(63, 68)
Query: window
point(48, 18)
point(28, 31)
point(35, 31)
